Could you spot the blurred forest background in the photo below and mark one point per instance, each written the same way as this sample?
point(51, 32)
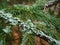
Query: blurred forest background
point(29, 22)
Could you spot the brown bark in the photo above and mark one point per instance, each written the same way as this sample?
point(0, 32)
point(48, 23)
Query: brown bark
point(37, 40)
point(53, 8)
point(16, 36)
point(43, 42)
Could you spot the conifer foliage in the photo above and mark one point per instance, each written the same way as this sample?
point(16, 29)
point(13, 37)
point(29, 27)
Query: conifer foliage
point(28, 25)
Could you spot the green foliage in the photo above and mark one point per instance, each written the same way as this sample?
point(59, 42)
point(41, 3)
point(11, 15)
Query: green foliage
point(3, 4)
point(48, 24)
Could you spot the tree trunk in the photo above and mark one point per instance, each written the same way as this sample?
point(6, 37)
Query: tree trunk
point(16, 36)
point(37, 40)
point(43, 42)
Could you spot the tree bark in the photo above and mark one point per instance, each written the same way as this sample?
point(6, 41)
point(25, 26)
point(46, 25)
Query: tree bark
point(16, 36)
point(40, 41)
point(37, 40)
point(43, 42)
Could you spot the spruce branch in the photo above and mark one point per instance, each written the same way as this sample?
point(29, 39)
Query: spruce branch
point(15, 21)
